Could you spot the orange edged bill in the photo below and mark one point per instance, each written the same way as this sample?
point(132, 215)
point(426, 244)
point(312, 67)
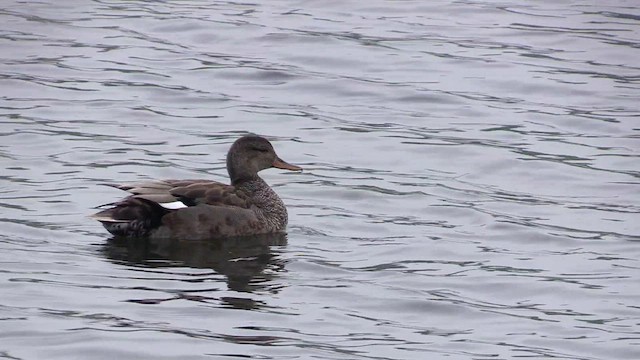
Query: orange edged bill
point(281, 164)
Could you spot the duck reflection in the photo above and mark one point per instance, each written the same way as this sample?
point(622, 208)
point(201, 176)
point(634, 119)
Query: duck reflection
point(248, 263)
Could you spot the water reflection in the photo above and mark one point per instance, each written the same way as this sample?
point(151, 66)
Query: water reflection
point(249, 263)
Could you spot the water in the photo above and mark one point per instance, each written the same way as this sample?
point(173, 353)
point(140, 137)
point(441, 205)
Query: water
point(470, 187)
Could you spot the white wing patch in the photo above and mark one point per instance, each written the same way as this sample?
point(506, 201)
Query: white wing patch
point(173, 205)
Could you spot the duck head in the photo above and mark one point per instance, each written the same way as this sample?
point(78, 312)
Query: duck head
point(251, 154)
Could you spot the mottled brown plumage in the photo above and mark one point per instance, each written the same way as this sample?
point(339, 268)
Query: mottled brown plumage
point(202, 209)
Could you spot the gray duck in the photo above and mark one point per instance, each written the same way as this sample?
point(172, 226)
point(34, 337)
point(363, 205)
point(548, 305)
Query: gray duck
point(204, 209)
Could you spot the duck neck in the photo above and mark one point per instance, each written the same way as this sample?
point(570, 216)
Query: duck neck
point(269, 206)
point(241, 180)
point(250, 184)
point(261, 194)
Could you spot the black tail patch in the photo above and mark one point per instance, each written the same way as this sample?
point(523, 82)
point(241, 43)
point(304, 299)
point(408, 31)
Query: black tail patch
point(131, 217)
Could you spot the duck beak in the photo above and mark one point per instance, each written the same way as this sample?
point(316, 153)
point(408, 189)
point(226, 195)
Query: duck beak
point(281, 164)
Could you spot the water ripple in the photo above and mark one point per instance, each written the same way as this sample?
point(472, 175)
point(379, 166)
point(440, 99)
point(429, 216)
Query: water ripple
point(470, 183)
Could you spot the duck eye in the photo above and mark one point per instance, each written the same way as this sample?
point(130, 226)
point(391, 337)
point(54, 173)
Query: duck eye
point(261, 149)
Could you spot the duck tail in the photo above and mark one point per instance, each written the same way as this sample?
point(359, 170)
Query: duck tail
point(131, 217)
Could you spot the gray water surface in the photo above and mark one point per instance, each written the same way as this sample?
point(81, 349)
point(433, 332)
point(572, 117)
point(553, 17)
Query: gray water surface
point(470, 187)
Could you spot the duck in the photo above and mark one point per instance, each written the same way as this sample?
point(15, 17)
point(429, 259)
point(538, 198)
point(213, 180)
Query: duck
point(204, 209)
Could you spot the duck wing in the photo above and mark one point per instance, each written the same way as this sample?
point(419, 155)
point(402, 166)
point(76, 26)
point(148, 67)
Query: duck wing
point(211, 193)
point(169, 193)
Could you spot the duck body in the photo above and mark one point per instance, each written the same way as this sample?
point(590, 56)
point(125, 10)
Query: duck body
point(204, 209)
